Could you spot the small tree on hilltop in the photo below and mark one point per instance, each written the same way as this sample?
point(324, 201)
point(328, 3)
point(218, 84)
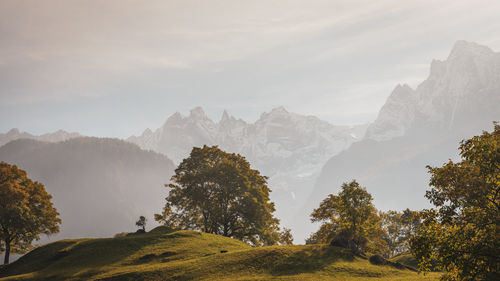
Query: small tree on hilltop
point(141, 223)
point(463, 233)
point(25, 211)
point(217, 192)
point(351, 215)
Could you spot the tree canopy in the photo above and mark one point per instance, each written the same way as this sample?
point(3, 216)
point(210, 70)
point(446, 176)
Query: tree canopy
point(462, 233)
point(398, 228)
point(349, 214)
point(217, 192)
point(26, 210)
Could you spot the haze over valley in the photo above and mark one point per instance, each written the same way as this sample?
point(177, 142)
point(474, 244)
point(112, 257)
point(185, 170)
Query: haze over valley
point(249, 140)
point(304, 157)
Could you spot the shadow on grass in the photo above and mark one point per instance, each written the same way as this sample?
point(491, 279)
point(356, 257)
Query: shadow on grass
point(274, 260)
point(309, 260)
point(78, 259)
point(84, 259)
point(36, 259)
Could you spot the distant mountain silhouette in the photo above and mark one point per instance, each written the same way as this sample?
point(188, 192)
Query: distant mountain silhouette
point(99, 186)
point(15, 134)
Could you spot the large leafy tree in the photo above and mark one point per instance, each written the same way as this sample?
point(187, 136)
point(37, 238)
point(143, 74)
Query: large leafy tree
point(351, 215)
point(217, 192)
point(25, 211)
point(462, 234)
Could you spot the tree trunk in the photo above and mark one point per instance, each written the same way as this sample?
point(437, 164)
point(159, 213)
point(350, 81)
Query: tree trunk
point(7, 252)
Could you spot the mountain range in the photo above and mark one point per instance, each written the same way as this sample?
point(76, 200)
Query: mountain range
point(307, 158)
point(288, 148)
point(15, 134)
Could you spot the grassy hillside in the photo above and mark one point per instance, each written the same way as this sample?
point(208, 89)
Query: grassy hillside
point(188, 255)
point(406, 259)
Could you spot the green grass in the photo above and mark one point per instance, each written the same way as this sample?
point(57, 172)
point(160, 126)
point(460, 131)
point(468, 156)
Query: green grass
point(409, 260)
point(189, 255)
point(406, 259)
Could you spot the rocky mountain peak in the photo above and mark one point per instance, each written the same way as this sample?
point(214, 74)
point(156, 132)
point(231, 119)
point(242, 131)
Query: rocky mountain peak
point(465, 59)
point(280, 143)
point(13, 131)
point(395, 116)
point(225, 117)
point(277, 112)
point(464, 48)
point(402, 92)
point(466, 83)
point(174, 119)
point(147, 132)
point(198, 113)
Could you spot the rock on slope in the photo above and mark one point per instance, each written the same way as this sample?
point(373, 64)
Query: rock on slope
point(99, 186)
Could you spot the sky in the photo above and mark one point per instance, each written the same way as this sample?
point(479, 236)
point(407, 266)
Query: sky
point(112, 68)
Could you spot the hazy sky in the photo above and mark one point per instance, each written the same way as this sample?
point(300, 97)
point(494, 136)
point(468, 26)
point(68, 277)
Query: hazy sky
point(113, 68)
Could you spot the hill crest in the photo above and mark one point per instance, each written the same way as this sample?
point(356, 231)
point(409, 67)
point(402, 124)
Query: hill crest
point(190, 255)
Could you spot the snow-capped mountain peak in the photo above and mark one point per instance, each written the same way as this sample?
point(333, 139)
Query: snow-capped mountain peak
point(282, 145)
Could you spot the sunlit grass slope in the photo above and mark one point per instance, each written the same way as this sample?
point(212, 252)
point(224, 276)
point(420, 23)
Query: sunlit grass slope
point(406, 259)
point(189, 255)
